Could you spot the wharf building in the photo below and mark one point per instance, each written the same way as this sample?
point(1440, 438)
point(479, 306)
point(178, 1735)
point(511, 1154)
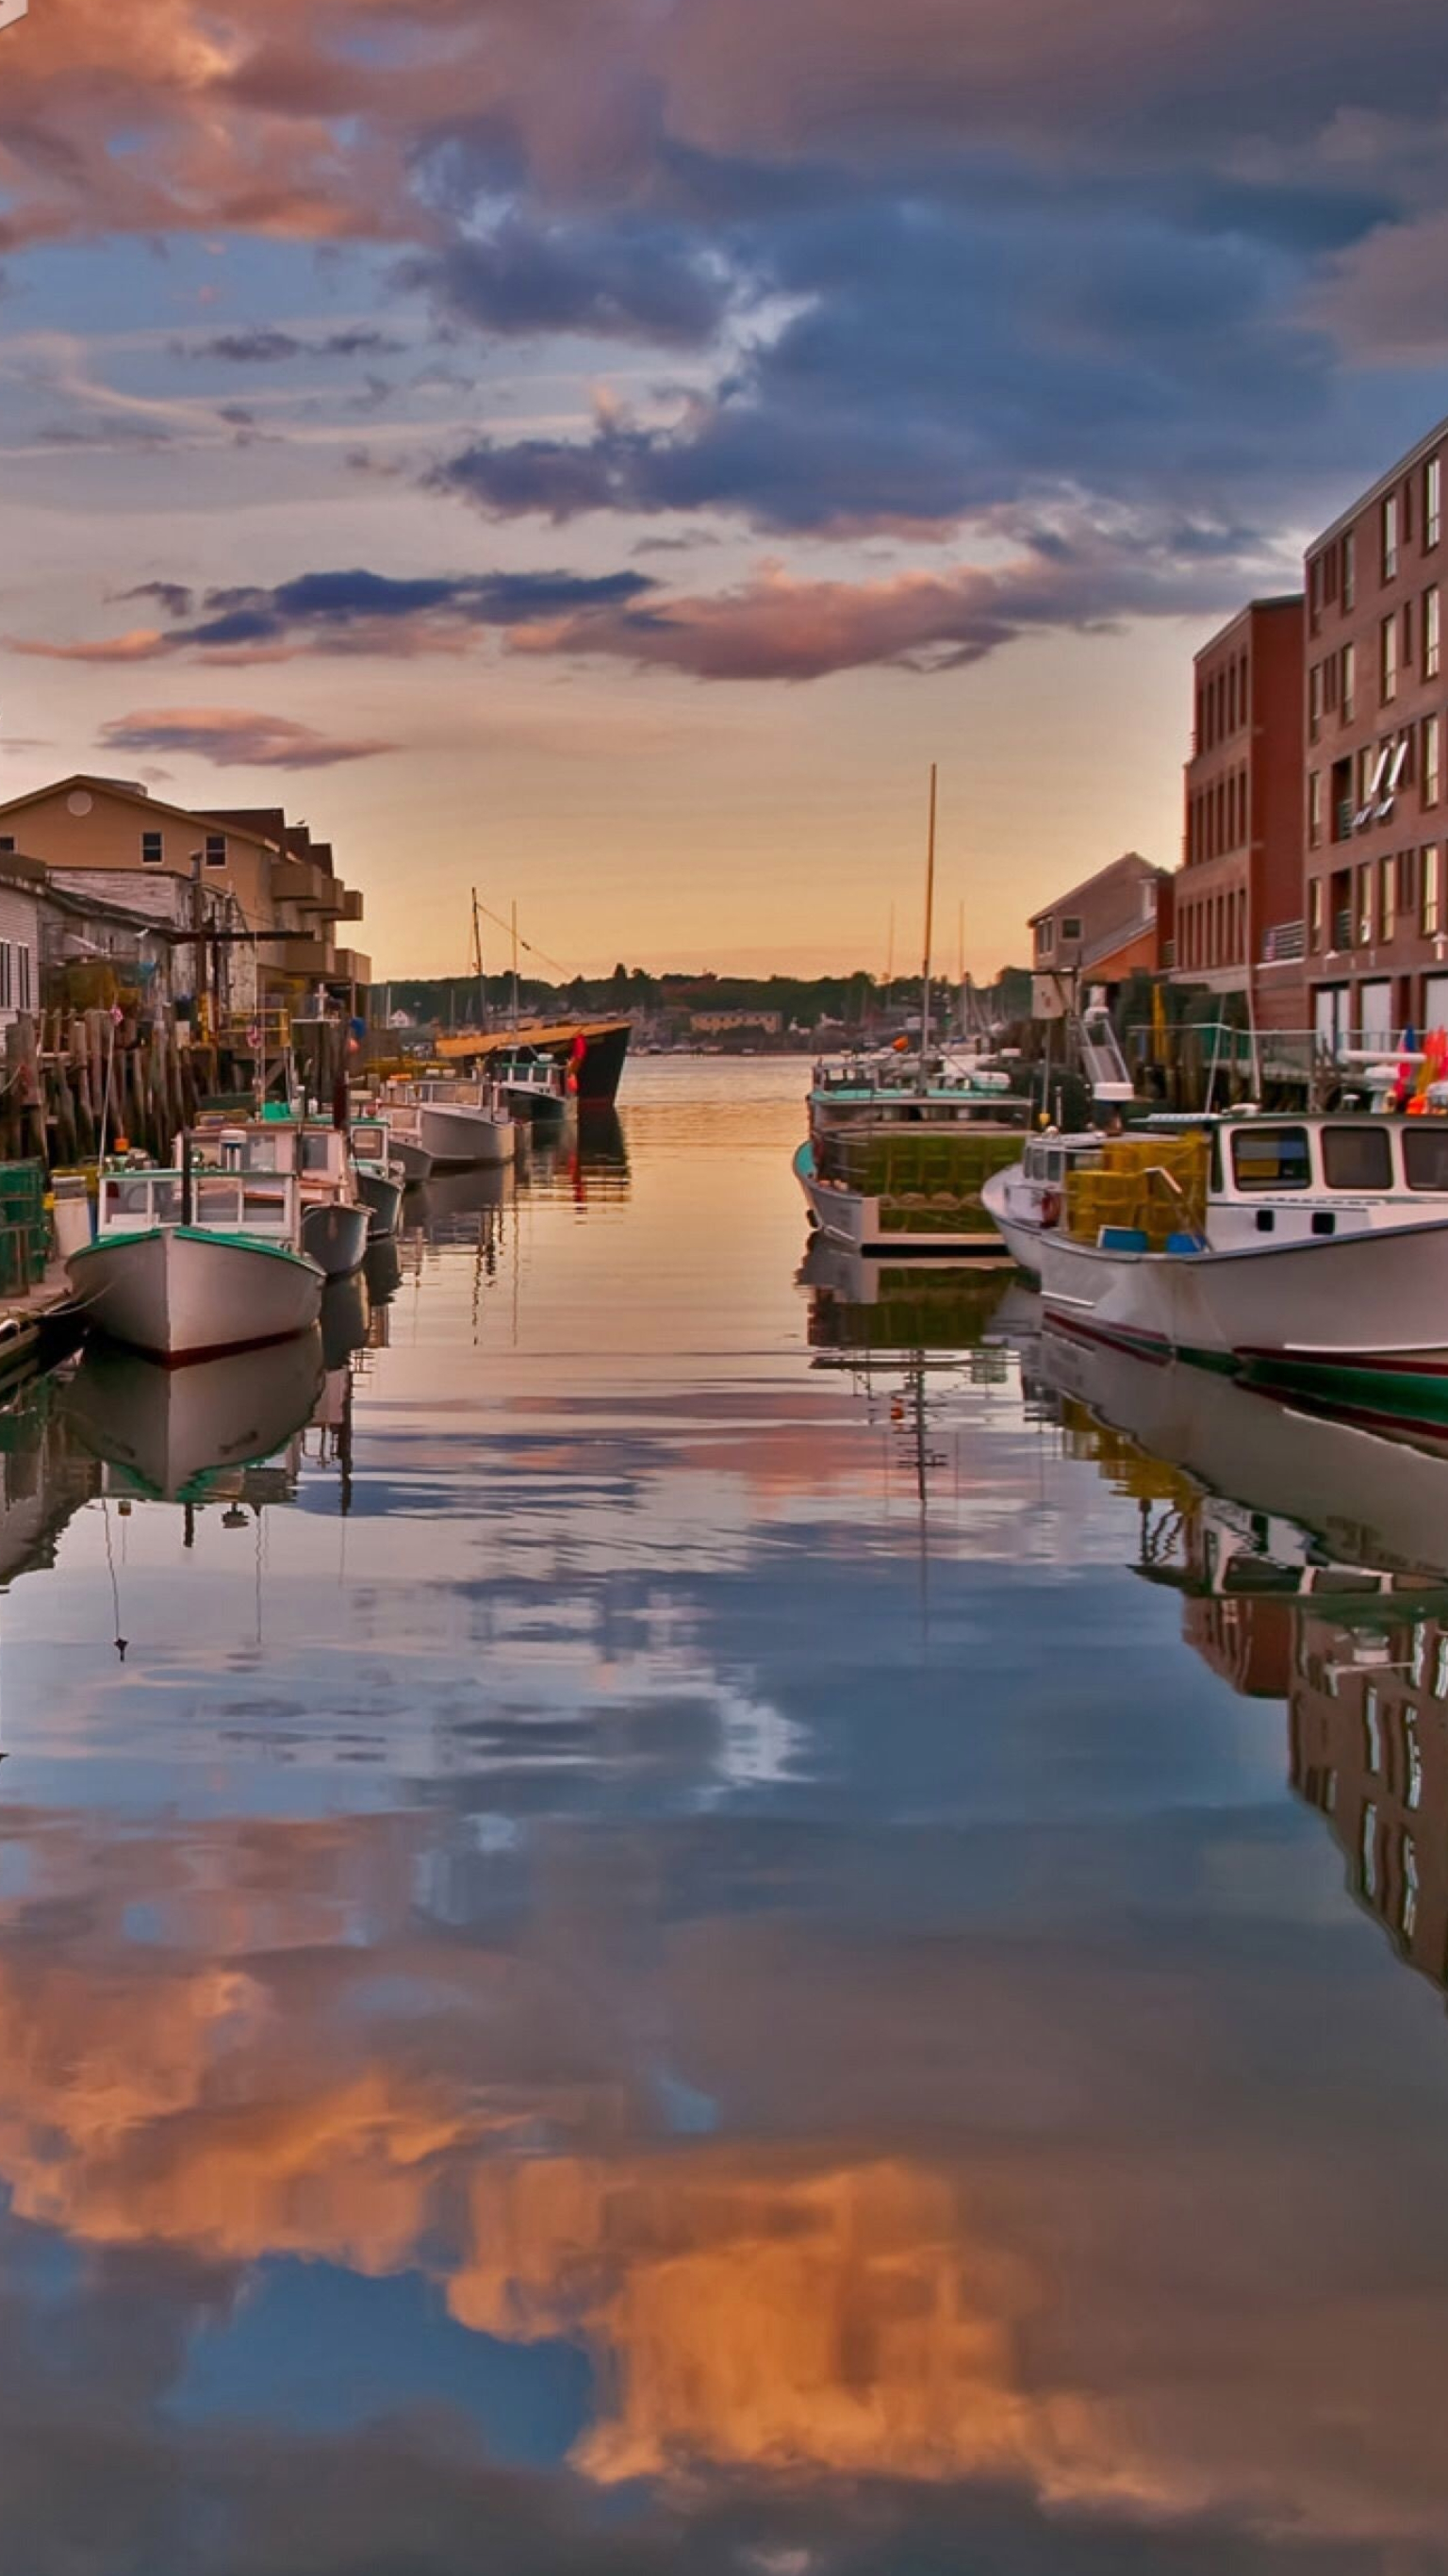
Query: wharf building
point(1115, 924)
point(245, 897)
point(1369, 1749)
point(1238, 908)
point(1377, 695)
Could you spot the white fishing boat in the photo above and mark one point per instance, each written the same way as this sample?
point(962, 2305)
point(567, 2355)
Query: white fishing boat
point(534, 1087)
point(457, 1121)
point(188, 1264)
point(899, 1148)
point(380, 1181)
point(335, 1216)
point(406, 1153)
point(1310, 1252)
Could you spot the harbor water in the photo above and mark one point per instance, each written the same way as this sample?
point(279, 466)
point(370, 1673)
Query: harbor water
point(658, 1915)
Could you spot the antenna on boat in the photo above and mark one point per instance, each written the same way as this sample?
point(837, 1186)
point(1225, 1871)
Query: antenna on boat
point(929, 929)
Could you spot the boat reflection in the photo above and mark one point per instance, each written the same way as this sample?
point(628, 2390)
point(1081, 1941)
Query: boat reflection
point(1312, 1560)
point(859, 1305)
point(184, 1434)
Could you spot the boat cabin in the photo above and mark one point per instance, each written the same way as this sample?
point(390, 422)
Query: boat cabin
point(1294, 1179)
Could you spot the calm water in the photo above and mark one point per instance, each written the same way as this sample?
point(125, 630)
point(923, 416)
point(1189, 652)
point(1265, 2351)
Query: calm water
point(715, 1927)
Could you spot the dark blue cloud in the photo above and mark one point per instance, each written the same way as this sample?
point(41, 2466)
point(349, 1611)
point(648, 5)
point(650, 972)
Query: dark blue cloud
point(619, 278)
point(326, 606)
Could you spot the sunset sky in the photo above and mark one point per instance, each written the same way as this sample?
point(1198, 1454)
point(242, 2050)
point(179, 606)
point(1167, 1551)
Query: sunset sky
point(603, 450)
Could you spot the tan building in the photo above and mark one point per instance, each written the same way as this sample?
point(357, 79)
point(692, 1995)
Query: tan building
point(262, 897)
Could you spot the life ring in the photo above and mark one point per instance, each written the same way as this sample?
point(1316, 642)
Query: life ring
point(1050, 1207)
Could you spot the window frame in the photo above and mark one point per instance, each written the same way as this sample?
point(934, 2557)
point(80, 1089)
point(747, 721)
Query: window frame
point(1255, 1135)
point(213, 853)
point(153, 858)
point(1362, 1132)
point(1419, 1133)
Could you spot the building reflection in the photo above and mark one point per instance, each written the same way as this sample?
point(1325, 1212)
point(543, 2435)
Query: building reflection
point(1353, 1644)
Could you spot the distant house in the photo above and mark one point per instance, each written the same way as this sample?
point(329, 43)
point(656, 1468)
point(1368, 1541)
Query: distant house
point(723, 1024)
point(1112, 925)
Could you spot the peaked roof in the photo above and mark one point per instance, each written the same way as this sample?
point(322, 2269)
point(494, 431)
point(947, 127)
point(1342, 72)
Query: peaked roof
point(130, 794)
point(1130, 860)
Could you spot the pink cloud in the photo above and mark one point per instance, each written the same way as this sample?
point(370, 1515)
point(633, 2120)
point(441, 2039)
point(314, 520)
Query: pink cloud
point(236, 737)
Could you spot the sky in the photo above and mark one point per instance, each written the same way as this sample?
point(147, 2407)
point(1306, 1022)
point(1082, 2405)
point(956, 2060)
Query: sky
point(602, 451)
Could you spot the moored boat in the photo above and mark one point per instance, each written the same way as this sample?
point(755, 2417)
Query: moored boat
point(457, 1122)
point(1311, 1253)
point(188, 1265)
point(380, 1180)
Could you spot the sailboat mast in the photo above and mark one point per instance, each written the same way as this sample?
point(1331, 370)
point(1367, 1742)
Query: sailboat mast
point(929, 931)
point(515, 962)
point(478, 963)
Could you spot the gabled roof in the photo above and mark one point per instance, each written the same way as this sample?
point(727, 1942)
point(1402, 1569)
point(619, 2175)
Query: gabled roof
point(1130, 862)
point(130, 794)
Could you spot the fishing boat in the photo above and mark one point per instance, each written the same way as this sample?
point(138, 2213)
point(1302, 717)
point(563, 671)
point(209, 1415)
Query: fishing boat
point(335, 1216)
point(532, 1086)
point(899, 1150)
point(406, 1153)
point(187, 1264)
point(1310, 1253)
point(380, 1179)
point(457, 1122)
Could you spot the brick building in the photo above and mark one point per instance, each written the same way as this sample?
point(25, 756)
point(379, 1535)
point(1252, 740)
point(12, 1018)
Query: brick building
point(1239, 899)
point(1377, 956)
point(1369, 1748)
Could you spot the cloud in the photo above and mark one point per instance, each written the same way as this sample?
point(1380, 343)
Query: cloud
point(236, 738)
point(355, 611)
point(267, 346)
point(172, 596)
point(616, 278)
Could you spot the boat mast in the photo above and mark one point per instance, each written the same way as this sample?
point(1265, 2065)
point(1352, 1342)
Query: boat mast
point(929, 929)
point(478, 964)
point(515, 964)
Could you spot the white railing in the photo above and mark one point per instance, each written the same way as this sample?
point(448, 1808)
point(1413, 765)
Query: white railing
point(221, 1202)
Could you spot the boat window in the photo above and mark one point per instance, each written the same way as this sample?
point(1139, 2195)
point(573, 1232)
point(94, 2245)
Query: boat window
point(1425, 1154)
point(1271, 1158)
point(1359, 1157)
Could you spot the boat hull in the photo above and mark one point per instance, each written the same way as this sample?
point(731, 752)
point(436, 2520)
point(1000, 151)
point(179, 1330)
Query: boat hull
point(334, 1235)
point(464, 1137)
point(1352, 1316)
point(182, 1294)
point(382, 1198)
point(859, 1224)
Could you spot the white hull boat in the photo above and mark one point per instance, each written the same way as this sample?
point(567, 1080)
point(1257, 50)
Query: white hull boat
point(1302, 1274)
point(185, 1293)
point(865, 1226)
point(467, 1136)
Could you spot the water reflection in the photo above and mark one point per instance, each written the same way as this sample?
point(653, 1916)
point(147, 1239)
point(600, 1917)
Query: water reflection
point(640, 1996)
point(1313, 1560)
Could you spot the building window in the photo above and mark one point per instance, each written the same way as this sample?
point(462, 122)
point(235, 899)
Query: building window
point(1070, 925)
point(1432, 633)
point(1314, 700)
point(1314, 913)
point(1349, 571)
point(1365, 905)
point(1045, 937)
point(1314, 808)
point(216, 849)
point(7, 992)
point(1348, 696)
point(1390, 537)
point(1432, 755)
point(1385, 899)
point(1407, 882)
point(8, 843)
point(1428, 895)
point(22, 960)
point(1388, 658)
point(153, 849)
point(1314, 592)
point(1432, 500)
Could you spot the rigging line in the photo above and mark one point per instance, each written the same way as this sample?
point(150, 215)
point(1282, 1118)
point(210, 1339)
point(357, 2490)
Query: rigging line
point(121, 1642)
point(541, 953)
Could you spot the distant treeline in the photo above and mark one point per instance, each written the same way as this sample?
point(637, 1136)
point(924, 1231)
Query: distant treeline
point(802, 1001)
